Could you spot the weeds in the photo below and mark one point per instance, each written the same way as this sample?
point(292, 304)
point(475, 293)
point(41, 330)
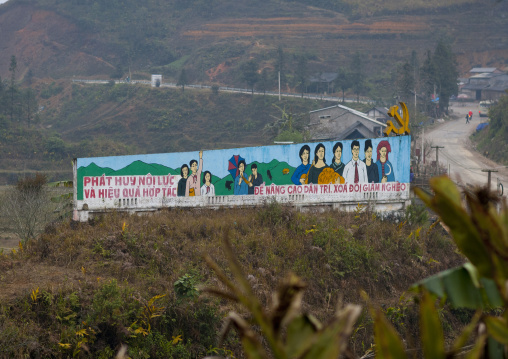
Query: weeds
point(124, 269)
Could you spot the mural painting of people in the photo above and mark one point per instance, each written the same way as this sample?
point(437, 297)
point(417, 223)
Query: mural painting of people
point(355, 171)
point(151, 180)
point(318, 164)
point(255, 179)
point(241, 185)
point(372, 172)
point(337, 164)
point(384, 166)
point(182, 183)
point(207, 189)
point(300, 175)
point(193, 187)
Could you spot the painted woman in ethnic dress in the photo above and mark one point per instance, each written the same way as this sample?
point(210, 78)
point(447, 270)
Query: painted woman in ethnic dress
point(319, 164)
point(384, 166)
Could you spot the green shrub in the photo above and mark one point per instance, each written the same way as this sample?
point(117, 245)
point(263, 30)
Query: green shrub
point(185, 287)
point(416, 214)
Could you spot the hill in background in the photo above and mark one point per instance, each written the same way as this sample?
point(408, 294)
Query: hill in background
point(211, 39)
point(79, 120)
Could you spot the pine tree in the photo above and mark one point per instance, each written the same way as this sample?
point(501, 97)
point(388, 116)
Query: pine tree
point(182, 80)
point(250, 73)
point(406, 83)
point(446, 73)
point(358, 79)
point(428, 75)
point(12, 88)
point(343, 80)
point(301, 73)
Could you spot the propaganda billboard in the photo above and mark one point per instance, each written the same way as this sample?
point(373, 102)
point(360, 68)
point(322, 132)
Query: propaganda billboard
point(334, 171)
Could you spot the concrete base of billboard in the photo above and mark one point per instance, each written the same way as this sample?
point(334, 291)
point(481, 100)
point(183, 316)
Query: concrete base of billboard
point(383, 207)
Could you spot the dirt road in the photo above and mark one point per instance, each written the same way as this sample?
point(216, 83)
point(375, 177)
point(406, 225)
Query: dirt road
point(465, 163)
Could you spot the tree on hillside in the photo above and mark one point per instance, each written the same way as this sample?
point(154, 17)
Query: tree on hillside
point(182, 79)
point(343, 80)
point(439, 74)
point(249, 73)
point(405, 82)
point(446, 73)
point(3, 106)
point(12, 88)
point(29, 77)
point(428, 86)
point(357, 75)
point(263, 81)
point(30, 105)
point(301, 73)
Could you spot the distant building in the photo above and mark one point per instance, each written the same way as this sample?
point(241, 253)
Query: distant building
point(342, 123)
point(156, 80)
point(379, 114)
point(484, 70)
point(486, 85)
point(322, 82)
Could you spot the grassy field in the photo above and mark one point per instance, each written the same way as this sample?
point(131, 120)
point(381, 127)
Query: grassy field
point(114, 264)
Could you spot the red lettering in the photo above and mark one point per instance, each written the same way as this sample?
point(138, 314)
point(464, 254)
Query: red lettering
point(86, 181)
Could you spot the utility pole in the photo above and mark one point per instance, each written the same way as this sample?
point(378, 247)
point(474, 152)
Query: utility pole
point(423, 143)
point(437, 157)
point(489, 176)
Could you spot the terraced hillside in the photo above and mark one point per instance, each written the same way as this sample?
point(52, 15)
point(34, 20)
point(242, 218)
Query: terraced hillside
point(62, 39)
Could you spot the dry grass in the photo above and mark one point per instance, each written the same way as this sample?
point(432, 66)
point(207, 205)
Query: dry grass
point(337, 254)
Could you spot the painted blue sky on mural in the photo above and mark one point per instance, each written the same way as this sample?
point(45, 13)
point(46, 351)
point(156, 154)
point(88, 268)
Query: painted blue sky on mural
point(216, 161)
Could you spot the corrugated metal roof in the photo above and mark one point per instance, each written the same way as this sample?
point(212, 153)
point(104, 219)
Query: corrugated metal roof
point(323, 77)
point(498, 83)
point(358, 113)
point(483, 69)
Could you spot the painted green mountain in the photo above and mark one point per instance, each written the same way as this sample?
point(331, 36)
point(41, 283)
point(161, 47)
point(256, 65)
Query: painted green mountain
point(272, 172)
point(136, 168)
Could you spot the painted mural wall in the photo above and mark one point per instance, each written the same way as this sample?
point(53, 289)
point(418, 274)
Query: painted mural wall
point(328, 171)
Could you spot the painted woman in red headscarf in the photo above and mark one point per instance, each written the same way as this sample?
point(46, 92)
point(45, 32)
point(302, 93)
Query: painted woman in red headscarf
point(384, 167)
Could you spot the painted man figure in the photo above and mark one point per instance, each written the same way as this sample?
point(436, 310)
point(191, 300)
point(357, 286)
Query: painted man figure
point(255, 179)
point(355, 171)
